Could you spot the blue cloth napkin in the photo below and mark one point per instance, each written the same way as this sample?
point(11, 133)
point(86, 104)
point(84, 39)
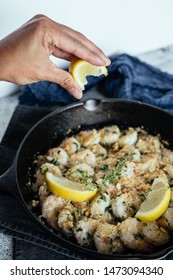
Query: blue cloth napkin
point(128, 78)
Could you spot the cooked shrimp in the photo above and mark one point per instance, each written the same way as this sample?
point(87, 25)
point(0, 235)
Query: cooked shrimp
point(84, 231)
point(44, 168)
point(50, 208)
point(131, 235)
point(149, 163)
point(104, 173)
point(169, 170)
point(106, 217)
point(168, 154)
point(126, 205)
point(99, 205)
point(57, 155)
point(126, 150)
point(129, 138)
point(150, 144)
point(83, 156)
point(154, 234)
point(80, 171)
point(171, 199)
point(166, 220)
point(99, 151)
point(88, 137)
point(65, 219)
point(109, 134)
point(128, 170)
point(43, 193)
point(70, 145)
point(168, 216)
point(107, 240)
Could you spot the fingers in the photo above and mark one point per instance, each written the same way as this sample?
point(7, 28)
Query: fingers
point(64, 79)
point(77, 48)
point(68, 43)
point(62, 54)
point(76, 44)
point(80, 38)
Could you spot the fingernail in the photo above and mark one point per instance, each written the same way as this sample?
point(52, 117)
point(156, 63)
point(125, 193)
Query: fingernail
point(77, 93)
point(108, 61)
point(105, 60)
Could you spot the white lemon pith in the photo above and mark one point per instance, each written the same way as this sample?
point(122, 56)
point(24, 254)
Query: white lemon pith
point(67, 189)
point(156, 201)
point(80, 69)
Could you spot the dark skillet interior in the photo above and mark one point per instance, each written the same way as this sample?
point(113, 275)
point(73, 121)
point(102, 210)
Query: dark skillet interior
point(50, 131)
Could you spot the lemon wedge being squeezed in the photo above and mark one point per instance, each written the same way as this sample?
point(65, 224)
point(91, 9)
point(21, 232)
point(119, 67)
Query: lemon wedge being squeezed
point(156, 201)
point(67, 189)
point(80, 69)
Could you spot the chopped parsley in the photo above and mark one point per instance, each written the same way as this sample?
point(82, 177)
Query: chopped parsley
point(44, 171)
point(117, 170)
point(54, 161)
point(104, 167)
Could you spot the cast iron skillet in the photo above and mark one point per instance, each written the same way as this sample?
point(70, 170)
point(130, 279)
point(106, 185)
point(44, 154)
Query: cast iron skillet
point(51, 130)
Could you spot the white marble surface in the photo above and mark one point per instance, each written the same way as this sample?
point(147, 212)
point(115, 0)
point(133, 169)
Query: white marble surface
point(161, 58)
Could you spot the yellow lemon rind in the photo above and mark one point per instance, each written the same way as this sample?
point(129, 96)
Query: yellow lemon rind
point(68, 193)
point(153, 215)
point(90, 70)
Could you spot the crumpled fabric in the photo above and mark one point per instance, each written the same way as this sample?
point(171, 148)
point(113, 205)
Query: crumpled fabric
point(128, 78)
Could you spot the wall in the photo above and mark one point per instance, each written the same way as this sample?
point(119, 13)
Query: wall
point(131, 26)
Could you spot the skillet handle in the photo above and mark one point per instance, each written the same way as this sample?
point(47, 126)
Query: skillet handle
point(8, 183)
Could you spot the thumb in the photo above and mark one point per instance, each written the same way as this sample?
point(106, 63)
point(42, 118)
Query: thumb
point(64, 79)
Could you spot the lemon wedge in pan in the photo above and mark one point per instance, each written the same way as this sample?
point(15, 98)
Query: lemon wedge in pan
point(67, 189)
point(156, 201)
point(80, 69)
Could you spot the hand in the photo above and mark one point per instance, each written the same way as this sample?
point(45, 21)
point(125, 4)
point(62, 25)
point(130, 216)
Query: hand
point(24, 54)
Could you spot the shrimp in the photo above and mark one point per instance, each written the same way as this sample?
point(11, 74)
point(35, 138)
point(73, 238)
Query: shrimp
point(43, 193)
point(84, 231)
point(99, 151)
point(168, 154)
point(83, 156)
point(58, 155)
point(166, 219)
point(129, 138)
point(50, 208)
point(149, 163)
point(150, 144)
point(107, 240)
point(129, 174)
point(80, 171)
point(169, 169)
point(44, 168)
point(104, 173)
point(71, 145)
point(128, 170)
point(109, 134)
point(65, 219)
point(168, 216)
point(154, 234)
point(88, 137)
point(99, 205)
point(131, 235)
point(126, 205)
point(126, 150)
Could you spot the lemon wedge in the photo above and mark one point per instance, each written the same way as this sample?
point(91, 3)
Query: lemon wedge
point(156, 201)
point(80, 69)
point(68, 189)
